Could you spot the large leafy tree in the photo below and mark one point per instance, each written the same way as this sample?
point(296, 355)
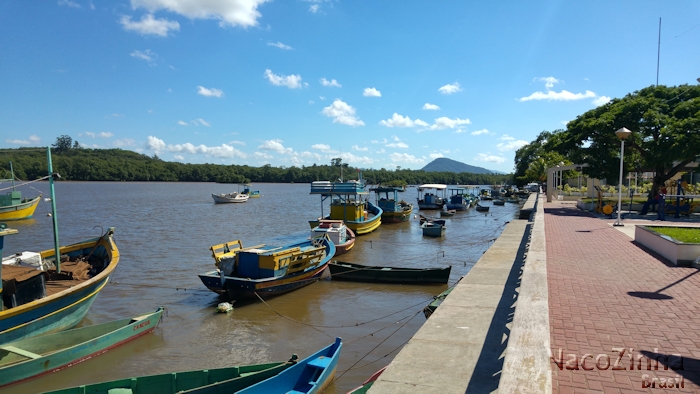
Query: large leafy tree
point(533, 159)
point(665, 125)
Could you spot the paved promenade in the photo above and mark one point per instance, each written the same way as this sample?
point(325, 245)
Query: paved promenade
point(607, 294)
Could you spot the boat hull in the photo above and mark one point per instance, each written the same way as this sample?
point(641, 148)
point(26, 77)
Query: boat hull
point(64, 309)
point(225, 199)
point(20, 211)
point(434, 231)
point(77, 345)
point(360, 273)
point(228, 380)
point(347, 245)
point(309, 376)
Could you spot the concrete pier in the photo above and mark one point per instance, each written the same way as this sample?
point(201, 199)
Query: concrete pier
point(461, 346)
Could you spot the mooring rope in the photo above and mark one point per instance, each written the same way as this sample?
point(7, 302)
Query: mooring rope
point(27, 183)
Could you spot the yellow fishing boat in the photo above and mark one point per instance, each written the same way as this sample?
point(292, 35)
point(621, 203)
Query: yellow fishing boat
point(13, 206)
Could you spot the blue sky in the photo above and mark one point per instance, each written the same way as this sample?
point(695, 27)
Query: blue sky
point(380, 84)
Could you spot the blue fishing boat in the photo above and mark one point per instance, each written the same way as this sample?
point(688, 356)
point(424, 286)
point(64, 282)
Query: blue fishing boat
point(250, 193)
point(427, 199)
point(458, 200)
point(348, 205)
point(308, 376)
point(266, 270)
point(433, 229)
point(42, 293)
point(393, 209)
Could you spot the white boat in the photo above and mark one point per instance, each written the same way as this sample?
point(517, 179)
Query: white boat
point(230, 197)
point(428, 200)
point(342, 237)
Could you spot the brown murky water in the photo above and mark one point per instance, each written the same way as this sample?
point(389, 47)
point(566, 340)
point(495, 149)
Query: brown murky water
point(163, 232)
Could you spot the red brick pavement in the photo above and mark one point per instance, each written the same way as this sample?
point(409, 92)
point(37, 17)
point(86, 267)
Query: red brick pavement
point(591, 268)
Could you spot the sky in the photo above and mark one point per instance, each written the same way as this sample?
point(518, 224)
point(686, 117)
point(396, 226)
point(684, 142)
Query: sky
point(388, 84)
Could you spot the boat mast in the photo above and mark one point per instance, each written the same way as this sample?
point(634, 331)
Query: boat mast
point(12, 173)
point(53, 212)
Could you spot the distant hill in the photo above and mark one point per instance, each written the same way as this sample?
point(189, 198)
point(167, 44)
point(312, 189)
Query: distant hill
point(443, 164)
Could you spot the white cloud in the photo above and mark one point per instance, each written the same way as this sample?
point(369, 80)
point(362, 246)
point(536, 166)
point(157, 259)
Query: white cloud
point(360, 149)
point(564, 95)
point(397, 145)
point(213, 92)
point(460, 131)
point(436, 155)
point(179, 157)
point(237, 143)
point(430, 107)
point(381, 151)
point(275, 145)
point(511, 145)
point(383, 141)
point(548, 81)
point(124, 142)
point(223, 151)
point(371, 92)
point(69, 3)
point(106, 134)
point(313, 8)
point(506, 137)
point(356, 160)
point(450, 88)
point(447, 123)
point(480, 132)
point(200, 121)
point(146, 55)
point(342, 113)
point(279, 45)
point(489, 158)
point(90, 134)
point(290, 81)
point(405, 158)
point(242, 13)
point(602, 100)
point(182, 123)
point(149, 25)
point(33, 139)
point(332, 83)
point(262, 155)
point(402, 121)
point(321, 147)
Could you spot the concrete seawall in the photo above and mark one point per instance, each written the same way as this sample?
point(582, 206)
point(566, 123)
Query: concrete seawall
point(463, 345)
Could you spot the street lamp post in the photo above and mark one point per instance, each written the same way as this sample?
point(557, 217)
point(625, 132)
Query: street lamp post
point(622, 134)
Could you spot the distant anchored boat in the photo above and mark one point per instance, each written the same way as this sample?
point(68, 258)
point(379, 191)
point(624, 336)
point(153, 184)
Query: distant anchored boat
point(13, 206)
point(393, 209)
point(429, 200)
point(234, 197)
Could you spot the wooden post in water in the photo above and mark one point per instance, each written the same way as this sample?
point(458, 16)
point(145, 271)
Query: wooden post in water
point(53, 212)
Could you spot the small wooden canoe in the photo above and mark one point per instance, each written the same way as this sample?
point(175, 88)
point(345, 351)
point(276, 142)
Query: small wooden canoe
point(362, 273)
point(430, 308)
point(308, 376)
point(32, 357)
point(499, 202)
point(481, 208)
point(230, 379)
point(367, 383)
point(448, 213)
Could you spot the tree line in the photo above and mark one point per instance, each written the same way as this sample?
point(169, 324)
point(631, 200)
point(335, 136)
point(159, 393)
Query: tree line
point(74, 163)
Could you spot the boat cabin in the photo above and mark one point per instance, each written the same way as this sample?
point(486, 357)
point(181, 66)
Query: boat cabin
point(334, 229)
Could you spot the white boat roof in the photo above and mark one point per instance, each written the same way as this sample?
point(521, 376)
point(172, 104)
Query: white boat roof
point(433, 186)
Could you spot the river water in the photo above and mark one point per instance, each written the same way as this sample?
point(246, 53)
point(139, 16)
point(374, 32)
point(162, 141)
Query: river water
point(163, 232)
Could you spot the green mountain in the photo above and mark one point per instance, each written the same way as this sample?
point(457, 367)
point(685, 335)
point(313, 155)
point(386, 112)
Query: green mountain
point(443, 164)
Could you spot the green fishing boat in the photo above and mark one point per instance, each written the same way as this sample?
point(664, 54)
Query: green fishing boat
point(230, 379)
point(430, 308)
point(32, 357)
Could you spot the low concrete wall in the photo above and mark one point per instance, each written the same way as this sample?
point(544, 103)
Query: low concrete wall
point(527, 367)
point(679, 253)
point(529, 206)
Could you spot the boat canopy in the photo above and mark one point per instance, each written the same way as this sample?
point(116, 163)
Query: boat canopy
point(433, 186)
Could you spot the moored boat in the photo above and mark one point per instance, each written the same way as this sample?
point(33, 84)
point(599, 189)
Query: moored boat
point(27, 358)
point(448, 212)
point(499, 202)
point(367, 384)
point(347, 204)
point(458, 199)
point(250, 193)
point(224, 198)
point(341, 270)
point(342, 237)
point(393, 209)
point(52, 290)
point(438, 299)
point(308, 376)
point(228, 380)
point(266, 270)
point(13, 206)
point(481, 208)
point(428, 200)
point(433, 229)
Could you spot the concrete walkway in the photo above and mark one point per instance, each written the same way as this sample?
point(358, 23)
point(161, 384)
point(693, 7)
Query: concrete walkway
point(608, 295)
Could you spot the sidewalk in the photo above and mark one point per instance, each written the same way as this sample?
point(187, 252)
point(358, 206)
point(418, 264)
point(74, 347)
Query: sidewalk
point(607, 293)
